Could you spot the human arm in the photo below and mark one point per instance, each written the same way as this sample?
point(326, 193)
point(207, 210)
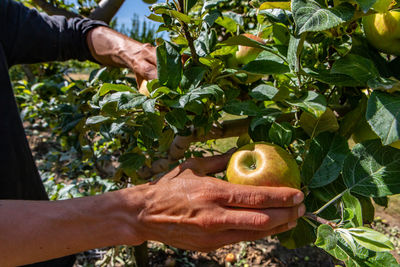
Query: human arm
point(112, 48)
point(185, 209)
point(28, 36)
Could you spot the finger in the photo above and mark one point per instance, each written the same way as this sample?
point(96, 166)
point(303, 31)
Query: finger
point(234, 236)
point(146, 70)
point(258, 220)
point(151, 54)
point(258, 197)
point(208, 165)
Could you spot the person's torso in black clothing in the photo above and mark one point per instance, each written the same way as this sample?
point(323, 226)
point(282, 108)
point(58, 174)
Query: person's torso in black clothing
point(27, 36)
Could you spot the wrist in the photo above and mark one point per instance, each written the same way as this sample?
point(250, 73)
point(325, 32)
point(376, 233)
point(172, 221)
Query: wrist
point(129, 205)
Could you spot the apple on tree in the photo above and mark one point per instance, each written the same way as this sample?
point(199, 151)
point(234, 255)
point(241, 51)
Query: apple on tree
point(244, 55)
point(382, 29)
point(263, 164)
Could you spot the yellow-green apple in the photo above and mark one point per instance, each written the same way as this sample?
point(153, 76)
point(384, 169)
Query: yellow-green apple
point(364, 132)
point(243, 56)
point(263, 164)
point(383, 31)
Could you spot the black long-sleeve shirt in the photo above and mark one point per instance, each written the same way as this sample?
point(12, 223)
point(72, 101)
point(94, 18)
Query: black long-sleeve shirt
point(27, 36)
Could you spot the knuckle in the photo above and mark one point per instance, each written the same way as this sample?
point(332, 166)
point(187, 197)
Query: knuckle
point(260, 220)
point(255, 199)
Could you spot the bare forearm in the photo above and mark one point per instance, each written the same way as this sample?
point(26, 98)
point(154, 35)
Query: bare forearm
point(45, 230)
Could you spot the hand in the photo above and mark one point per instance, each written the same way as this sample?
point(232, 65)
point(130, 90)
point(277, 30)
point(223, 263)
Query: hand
point(112, 48)
point(189, 210)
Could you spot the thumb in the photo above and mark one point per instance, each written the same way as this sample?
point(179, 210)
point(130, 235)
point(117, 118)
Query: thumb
point(208, 165)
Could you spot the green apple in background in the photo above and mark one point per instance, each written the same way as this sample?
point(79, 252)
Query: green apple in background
point(263, 164)
point(243, 56)
point(383, 29)
point(364, 132)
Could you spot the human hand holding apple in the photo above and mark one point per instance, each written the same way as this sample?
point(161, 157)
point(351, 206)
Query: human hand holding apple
point(188, 209)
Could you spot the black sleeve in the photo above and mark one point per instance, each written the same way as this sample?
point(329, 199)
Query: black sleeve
point(28, 36)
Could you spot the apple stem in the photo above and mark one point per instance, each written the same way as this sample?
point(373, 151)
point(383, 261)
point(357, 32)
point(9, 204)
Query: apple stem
point(319, 219)
point(329, 203)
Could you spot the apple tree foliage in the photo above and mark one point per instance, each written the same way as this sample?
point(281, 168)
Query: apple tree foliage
point(314, 80)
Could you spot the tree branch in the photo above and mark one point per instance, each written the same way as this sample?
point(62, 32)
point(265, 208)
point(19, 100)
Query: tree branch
point(53, 10)
point(230, 128)
point(106, 10)
point(319, 219)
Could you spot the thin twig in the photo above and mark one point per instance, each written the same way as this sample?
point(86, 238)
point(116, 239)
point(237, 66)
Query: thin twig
point(319, 219)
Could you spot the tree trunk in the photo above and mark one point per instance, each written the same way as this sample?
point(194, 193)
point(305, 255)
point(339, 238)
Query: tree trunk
point(141, 255)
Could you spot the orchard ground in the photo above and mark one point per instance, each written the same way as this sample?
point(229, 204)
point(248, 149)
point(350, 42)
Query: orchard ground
point(266, 252)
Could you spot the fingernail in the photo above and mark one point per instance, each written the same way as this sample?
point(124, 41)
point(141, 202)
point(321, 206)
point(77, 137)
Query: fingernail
point(301, 210)
point(292, 225)
point(298, 198)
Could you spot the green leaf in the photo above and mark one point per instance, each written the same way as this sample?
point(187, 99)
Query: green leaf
point(152, 126)
point(372, 170)
point(244, 41)
point(303, 234)
point(294, 52)
point(327, 77)
point(211, 17)
point(310, 16)
point(264, 92)
point(149, 105)
point(359, 68)
point(205, 43)
point(107, 87)
point(347, 124)
point(261, 66)
point(382, 201)
point(169, 65)
point(281, 134)
point(313, 126)
point(311, 102)
point(236, 107)
point(352, 203)
point(324, 160)
point(165, 141)
point(96, 120)
point(131, 162)
point(202, 92)
point(192, 77)
point(180, 16)
point(227, 22)
point(361, 257)
point(366, 4)
point(348, 239)
point(155, 18)
point(176, 118)
point(383, 114)
point(131, 101)
point(371, 239)
point(326, 237)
